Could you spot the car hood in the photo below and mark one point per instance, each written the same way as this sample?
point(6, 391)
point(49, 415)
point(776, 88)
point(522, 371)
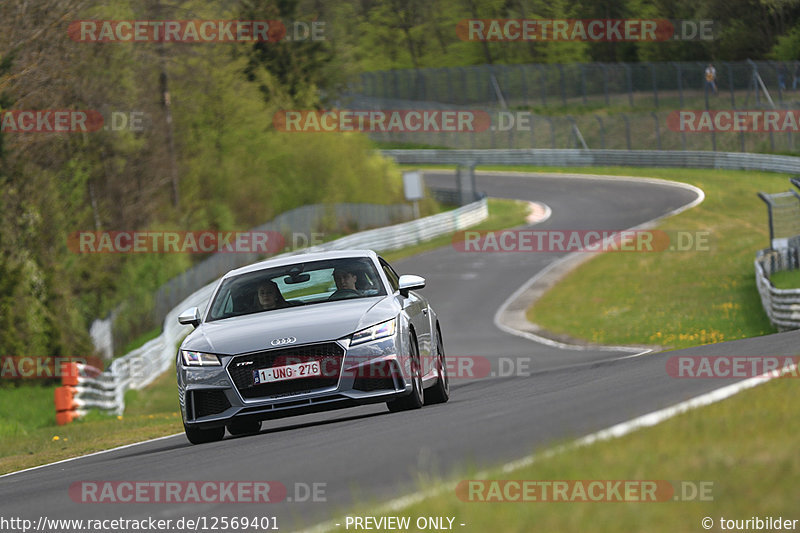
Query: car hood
point(313, 323)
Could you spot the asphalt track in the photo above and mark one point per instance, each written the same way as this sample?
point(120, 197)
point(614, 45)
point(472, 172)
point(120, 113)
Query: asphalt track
point(370, 455)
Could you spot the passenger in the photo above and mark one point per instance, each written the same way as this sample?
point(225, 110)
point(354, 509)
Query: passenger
point(269, 296)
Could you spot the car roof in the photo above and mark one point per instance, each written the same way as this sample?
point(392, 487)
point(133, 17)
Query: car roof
point(302, 258)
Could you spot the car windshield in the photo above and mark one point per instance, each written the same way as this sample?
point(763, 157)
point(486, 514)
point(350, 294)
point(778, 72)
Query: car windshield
point(295, 285)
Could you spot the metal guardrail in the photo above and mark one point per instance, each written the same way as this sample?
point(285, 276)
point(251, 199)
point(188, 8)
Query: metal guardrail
point(589, 158)
point(140, 367)
point(781, 305)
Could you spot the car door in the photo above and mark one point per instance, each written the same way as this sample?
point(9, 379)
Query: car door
point(416, 309)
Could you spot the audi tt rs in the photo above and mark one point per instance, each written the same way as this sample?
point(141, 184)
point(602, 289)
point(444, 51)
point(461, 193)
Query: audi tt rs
point(308, 333)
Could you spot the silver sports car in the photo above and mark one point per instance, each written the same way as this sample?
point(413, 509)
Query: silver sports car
point(308, 333)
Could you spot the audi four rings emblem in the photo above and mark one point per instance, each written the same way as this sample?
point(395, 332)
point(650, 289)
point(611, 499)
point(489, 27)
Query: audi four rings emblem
point(284, 340)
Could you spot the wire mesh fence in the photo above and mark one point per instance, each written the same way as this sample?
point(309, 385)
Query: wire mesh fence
point(630, 106)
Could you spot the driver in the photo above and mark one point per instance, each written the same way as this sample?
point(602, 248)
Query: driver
point(345, 278)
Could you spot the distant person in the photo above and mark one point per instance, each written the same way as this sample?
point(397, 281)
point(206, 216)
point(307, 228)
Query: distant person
point(711, 78)
point(269, 296)
point(796, 76)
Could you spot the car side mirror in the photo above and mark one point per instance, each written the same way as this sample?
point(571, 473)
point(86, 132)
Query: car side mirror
point(190, 316)
point(410, 282)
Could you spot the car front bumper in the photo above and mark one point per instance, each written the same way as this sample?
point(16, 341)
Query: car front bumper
point(372, 372)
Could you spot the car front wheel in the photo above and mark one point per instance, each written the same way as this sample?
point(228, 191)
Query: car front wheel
point(416, 398)
point(440, 392)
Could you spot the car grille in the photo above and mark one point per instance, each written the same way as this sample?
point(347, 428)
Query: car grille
point(374, 377)
point(329, 355)
point(209, 402)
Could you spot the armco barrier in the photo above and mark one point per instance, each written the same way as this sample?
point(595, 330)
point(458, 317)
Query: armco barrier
point(82, 391)
point(781, 305)
point(602, 158)
point(83, 387)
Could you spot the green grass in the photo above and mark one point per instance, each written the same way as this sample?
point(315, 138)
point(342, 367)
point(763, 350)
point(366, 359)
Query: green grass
point(29, 435)
point(788, 279)
point(740, 445)
point(25, 409)
point(141, 340)
point(503, 213)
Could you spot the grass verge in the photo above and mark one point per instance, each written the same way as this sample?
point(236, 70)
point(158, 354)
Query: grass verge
point(36, 439)
point(752, 476)
point(787, 279)
point(30, 437)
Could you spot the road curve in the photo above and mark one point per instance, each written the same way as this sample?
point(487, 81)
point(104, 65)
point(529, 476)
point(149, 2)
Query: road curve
point(370, 455)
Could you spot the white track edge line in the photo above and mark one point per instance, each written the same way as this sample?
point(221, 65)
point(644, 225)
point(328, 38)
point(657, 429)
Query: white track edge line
point(70, 459)
point(613, 432)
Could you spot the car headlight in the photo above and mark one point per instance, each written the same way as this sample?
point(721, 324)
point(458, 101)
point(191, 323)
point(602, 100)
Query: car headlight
point(199, 359)
point(378, 331)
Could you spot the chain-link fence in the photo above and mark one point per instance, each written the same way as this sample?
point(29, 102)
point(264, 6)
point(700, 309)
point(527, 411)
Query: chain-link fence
point(631, 106)
point(671, 85)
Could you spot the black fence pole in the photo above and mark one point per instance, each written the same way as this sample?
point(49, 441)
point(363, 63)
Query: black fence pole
point(658, 129)
point(602, 132)
point(630, 83)
point(583, 83)
point(627, 130)
point(655, 84)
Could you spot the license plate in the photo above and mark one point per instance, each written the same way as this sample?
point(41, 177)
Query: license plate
point(282, 373)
